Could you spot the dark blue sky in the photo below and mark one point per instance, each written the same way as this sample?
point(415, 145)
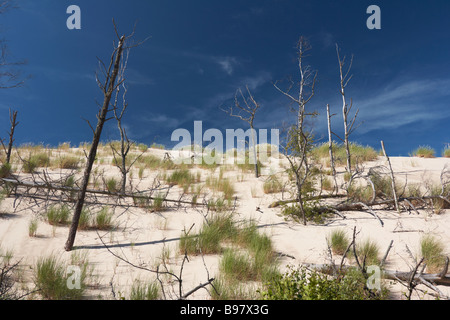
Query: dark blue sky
point(201, 52)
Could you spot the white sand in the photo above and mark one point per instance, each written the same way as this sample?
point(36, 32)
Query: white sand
point(141, 237)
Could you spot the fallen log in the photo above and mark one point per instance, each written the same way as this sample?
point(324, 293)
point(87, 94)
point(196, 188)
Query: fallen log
point(49, 186)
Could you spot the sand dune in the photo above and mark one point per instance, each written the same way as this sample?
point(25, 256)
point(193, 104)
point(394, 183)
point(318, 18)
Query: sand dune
point(145, 239)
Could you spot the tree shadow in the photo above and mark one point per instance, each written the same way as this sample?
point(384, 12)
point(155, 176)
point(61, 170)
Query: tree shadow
point(125, 245)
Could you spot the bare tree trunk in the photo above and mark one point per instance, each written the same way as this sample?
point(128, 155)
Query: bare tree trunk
point(108, 90)
point(299, 138)
point(346, 108)
point(330, 148)
point(250, 110)
point(394, 192)
point(14, 124)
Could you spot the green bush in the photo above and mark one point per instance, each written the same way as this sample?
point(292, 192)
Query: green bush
point(313, 212)
point(300, 284)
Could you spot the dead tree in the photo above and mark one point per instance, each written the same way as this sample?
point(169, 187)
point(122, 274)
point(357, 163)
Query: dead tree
point(394, 192)
point(249, 110)
point(349, 125)
point(120, 156)
point(14, 124)
point(330, 148)
point(299, 137)
point(108, 88)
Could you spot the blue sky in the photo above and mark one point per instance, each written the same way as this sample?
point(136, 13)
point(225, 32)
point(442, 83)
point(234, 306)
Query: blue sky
point(201, 52)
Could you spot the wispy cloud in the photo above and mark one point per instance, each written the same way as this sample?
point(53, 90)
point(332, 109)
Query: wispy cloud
point(404, 103)
point(227, 64)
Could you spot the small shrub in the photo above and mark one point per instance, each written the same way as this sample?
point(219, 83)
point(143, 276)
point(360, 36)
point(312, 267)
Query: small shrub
point(5, 170)
point(424, 152)
point(301, 284)
point(432, 251)
point(41, 159)
point(30, 165)
point(312, 212)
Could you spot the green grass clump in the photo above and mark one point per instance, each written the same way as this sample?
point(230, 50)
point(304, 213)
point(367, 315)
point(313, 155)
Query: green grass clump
point(358, 153)
point(360, 193)
point(32, 227)
point(223, 185)
point(68, 162)
point(370, 251)
point(446, 152)
point(51, 279)
point(112, 185)
point(58, 215)
point(210, 237)
point(232, 289)
point(338, 241)
point(272, 185)
point(432, 251)
point(141, 291)
point(29, 166)
point(181, 177)
point(424, 152)
point(103, 219)
point(41, 159)
point(157, 204)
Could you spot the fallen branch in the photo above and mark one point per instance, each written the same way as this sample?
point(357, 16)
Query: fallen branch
point(50, 186)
